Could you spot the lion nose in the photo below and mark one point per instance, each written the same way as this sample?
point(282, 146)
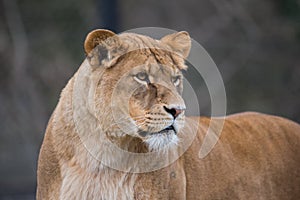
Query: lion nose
point(174, 111)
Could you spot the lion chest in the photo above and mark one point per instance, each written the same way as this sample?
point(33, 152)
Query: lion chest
point(111, 184)
point(166, 183)
point(103, 184)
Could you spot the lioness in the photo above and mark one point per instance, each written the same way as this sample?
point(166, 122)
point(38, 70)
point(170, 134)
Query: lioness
point(125, 99)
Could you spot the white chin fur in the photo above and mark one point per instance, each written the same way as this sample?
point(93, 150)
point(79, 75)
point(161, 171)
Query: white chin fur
point(159, 142)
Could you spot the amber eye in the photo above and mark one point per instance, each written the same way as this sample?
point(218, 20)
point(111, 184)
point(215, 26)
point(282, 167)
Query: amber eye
point(142, 77)
point(176, 80)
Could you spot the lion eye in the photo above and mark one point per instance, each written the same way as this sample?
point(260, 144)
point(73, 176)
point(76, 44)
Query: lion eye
point(142, 76)
point(176, 80)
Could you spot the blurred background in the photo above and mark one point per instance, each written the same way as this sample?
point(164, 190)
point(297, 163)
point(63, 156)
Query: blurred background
point(255, 44)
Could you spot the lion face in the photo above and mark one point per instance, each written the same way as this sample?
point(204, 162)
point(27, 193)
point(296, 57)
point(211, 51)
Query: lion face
point(155, 104)
point(141, 82)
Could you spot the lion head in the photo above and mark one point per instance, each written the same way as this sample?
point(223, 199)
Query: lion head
point(137, 85)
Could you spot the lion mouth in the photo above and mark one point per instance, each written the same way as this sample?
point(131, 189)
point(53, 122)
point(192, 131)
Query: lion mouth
point(167, 131)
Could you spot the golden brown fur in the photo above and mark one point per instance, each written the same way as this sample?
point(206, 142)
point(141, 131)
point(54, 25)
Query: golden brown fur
point(256, 157)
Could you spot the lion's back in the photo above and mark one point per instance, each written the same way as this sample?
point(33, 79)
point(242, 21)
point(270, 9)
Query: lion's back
point(256, 156)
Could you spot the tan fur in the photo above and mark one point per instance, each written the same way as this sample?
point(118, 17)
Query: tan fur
point(256, 157)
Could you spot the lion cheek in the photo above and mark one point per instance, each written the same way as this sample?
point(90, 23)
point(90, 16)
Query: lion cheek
point(136, 112)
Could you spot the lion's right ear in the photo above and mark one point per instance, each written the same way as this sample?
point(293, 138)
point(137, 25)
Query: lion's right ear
point(99, 46)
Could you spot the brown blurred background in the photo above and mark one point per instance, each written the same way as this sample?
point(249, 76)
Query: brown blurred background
point(254, 43)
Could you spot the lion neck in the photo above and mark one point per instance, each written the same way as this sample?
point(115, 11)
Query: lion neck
point(93, 132)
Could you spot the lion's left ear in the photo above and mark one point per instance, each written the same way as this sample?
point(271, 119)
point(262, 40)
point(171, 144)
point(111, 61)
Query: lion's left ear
point(101, 47)
point(180, 42)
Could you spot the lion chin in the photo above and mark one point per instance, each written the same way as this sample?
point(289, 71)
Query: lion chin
point(160, 140)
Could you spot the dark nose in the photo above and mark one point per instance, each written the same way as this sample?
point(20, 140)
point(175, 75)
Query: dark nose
point(173, 111)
